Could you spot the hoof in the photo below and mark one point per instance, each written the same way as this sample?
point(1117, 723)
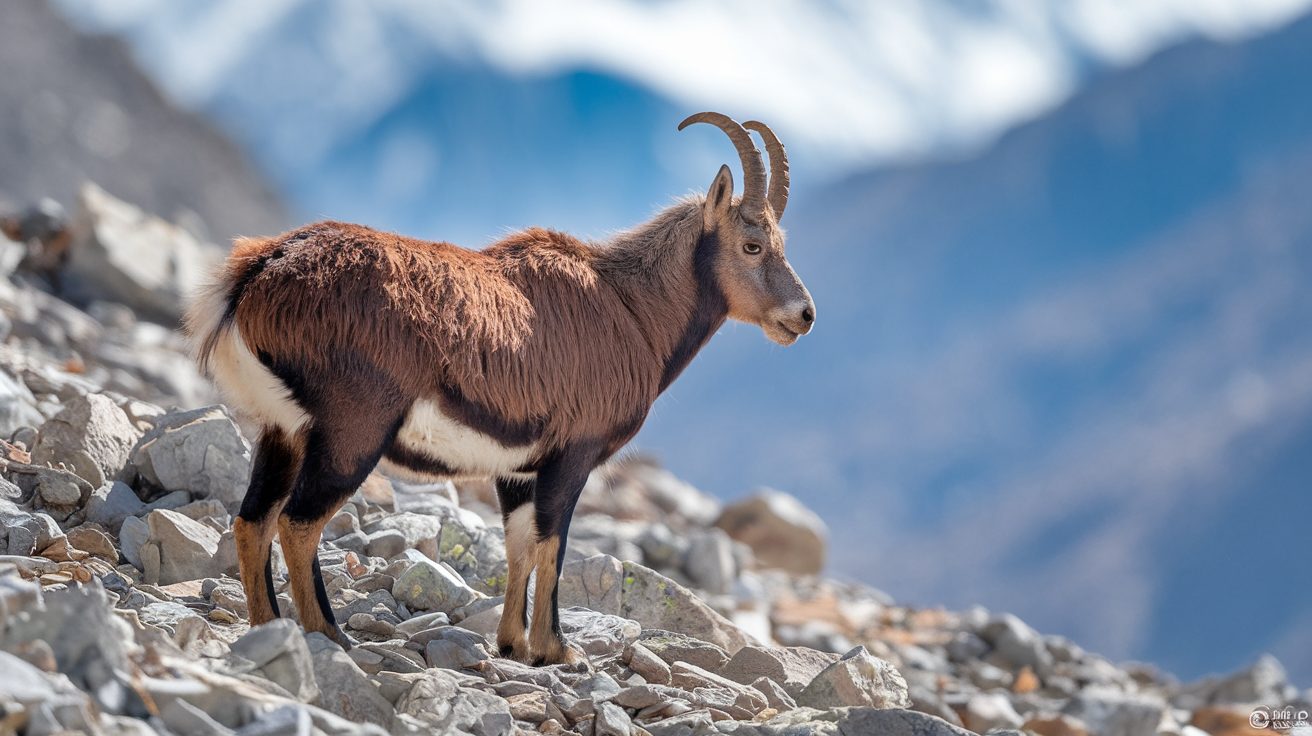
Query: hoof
point(562, 654)
point(341, 639)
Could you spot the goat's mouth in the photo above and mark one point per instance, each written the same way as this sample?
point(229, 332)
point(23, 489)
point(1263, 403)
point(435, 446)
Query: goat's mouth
point(781, 334)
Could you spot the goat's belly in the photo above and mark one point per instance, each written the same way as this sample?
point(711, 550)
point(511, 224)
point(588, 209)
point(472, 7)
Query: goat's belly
point(434, 445)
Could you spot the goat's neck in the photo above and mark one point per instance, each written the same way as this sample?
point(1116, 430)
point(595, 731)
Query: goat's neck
point(663, 270)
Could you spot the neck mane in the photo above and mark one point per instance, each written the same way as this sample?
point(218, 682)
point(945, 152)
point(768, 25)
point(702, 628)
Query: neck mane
point(664, 272)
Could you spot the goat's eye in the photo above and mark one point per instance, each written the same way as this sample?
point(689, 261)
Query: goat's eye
point(751, 249)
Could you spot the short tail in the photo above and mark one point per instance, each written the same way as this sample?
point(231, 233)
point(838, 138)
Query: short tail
point(213, 308)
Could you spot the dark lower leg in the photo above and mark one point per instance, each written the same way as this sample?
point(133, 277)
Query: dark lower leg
point(271, 482)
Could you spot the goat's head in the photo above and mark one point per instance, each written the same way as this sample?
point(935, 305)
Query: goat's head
point(759, 284)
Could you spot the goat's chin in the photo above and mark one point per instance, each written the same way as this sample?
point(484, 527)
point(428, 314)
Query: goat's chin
point(780, 334)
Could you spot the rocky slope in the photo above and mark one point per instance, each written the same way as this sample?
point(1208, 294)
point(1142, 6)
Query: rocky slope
point(120, 612)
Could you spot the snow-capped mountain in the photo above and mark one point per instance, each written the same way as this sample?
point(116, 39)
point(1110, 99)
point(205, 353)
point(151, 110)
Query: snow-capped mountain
point(311, 86)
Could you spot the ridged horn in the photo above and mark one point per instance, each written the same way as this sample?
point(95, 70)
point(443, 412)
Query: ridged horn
point(778, 193)
point(753, 166)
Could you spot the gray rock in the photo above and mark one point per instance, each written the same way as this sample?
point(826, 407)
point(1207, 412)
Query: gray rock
point(343, 688)
point(439, 702)
point(611, 721)
point(1110, 712)
point(110, 504)
point(477, 553)
point(781, 532)
point(199, 451)
point(598, 634)
point(187, 549)
point(632, 591)
point(709, 562)
point(124, 255)
point(17, 405)
point(419, 532)
point(661, 548)
point(453, 648)
point(1263, 682)
point(644, 662)
point(287, 720)
point(1016, 644)
point(62, 489)
point(90, 644)
point(598, 686)
point(132, 536)
point(416, 624)
point(432, 586)
point(857, 679)
point(278, 651)
point(793, 668)
point(966, 646)
point(33, 534)
point(384, 543)
point(775, 694)
point(673, 647)
point(990, 710)
point(92, 435)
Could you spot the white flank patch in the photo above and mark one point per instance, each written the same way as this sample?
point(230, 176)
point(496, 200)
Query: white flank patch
point(251, 388)
point(465, 450)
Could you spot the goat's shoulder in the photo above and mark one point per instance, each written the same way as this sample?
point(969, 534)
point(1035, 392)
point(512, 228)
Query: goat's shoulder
point(543, 253)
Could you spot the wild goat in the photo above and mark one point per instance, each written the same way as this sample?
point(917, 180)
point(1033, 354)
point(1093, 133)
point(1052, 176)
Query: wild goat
point(531, 362)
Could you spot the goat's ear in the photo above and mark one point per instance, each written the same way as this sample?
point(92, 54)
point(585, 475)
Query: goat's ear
point(719, 197)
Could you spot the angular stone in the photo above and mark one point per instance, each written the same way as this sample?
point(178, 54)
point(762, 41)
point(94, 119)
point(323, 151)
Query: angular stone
point(432, 586)
point(90, 539)
point(187, 549)
point(775, 694)
point(278, 650)
point(1017, 645)
point(92, 434)
point(438, 701)
point(781, 532)
point(988, 711)
point(611, 721)
point(451, 647)
point(199, 451)
point(710, 563)
point(672, 647)
point(632, 591)
point(17, 405)
point(110, 504)
point(598, 634)
point(793, 668)
point(124, 255)
point(1109, 712)
point(857, 679)
point(343, 688)
point(644, 662)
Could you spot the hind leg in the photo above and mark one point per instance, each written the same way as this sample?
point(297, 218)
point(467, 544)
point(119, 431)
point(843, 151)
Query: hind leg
point(337, 459)
point(276, 464)
point(516, 500)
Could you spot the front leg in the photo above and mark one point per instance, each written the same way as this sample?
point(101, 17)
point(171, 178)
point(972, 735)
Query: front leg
point(559, 483)
point(516, 500)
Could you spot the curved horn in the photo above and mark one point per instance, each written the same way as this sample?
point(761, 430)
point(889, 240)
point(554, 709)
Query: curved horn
point(778, 195)
point(753, 167)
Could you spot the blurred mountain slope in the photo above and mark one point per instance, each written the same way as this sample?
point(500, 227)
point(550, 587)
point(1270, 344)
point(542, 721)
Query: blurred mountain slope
point(1071, 376)
point(77, 107)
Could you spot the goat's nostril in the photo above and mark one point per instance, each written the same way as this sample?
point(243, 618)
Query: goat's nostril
point(808, 315)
